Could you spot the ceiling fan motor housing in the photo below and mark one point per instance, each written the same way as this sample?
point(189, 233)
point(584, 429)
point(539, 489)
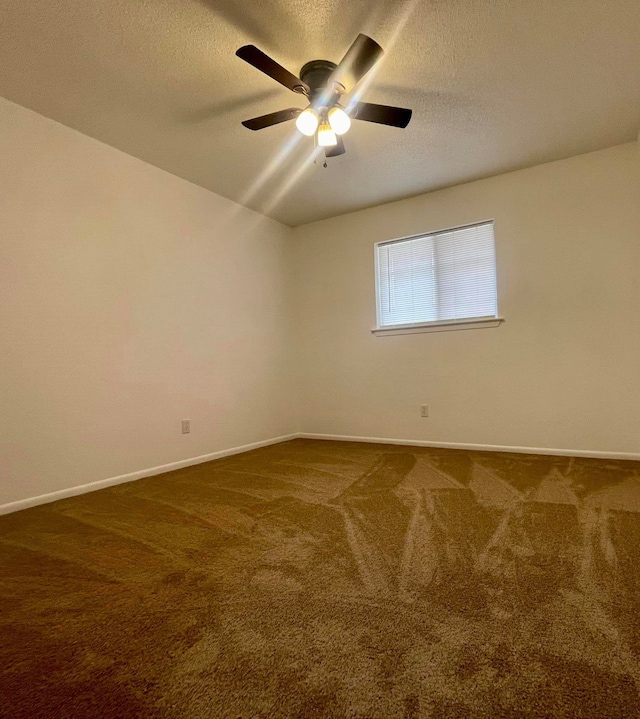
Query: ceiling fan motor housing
point(316, 74)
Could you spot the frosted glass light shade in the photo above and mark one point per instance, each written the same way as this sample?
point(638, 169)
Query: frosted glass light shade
point(326, 136)
point(307, 122)
point(339, 120)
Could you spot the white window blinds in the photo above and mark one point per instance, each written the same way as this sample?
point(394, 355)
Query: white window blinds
point(449, 275)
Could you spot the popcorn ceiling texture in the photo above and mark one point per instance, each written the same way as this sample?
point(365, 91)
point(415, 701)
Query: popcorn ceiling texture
point(495, 85)
point(327, 579)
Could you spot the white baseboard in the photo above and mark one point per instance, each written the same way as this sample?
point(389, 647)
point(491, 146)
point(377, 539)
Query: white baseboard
point(161, 469)
point(121, 479)
point(478, 447)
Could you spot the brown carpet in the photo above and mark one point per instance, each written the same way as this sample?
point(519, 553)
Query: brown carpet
point(326, 579)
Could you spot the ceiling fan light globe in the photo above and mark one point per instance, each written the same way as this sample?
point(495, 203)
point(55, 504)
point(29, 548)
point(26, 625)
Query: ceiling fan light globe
point(326, 136)
point(307, 122)
point(339, 120)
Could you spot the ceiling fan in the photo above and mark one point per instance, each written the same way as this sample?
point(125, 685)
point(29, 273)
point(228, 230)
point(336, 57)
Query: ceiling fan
point(324, 84)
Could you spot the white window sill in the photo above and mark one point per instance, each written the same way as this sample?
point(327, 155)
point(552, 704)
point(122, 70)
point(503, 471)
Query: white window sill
point(444, 326)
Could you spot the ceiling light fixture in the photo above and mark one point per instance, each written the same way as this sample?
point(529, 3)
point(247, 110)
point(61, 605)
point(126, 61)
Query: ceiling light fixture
point(327, 124)
point(307, 122)
point(339, 120)
point(326, 136)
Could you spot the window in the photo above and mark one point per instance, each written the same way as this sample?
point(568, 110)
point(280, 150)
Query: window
point(443, 278)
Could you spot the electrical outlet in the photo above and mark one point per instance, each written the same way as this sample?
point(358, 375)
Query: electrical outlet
point(424, 410)
point(186, 426)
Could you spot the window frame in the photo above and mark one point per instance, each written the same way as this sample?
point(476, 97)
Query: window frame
point(434, 325)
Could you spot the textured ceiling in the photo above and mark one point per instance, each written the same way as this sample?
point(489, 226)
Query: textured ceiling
point(495, 85)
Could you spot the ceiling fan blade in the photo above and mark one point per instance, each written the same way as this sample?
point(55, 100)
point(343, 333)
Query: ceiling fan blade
point(382, 114)
point(262, 62)
point(360, 58)
point(335, 150)
point(273, 118)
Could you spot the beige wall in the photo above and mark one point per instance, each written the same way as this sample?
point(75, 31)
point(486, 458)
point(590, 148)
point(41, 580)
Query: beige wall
point(562, 372)
point(129, 299)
